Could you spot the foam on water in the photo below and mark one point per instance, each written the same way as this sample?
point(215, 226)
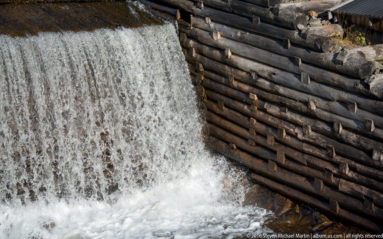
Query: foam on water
point(101, 138)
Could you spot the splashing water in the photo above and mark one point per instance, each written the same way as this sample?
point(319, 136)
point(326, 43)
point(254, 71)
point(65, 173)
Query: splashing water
point(100, 138)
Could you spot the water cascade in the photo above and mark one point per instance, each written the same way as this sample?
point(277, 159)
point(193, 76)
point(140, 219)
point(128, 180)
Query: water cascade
point(100, 137)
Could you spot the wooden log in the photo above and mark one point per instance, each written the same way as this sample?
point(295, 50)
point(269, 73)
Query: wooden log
point(331, 106)
point(315, 202)
point(375, 84)
point(369, 53)
point(249, 10)
point(297, 156)
point(307, 159)
point(319, 44)
point(306, 148)
point(171, 11)
point(291, 9)
point(248, 160)
point(293, 81)
point(292, 104)
point(324, 60)
point(310, 149)
point(185, 5)
point(346, 136)
point(263, 153)
point(314, 138)
point(302, 183)
point(266, 3)
point(360, 191)
point(269, 58)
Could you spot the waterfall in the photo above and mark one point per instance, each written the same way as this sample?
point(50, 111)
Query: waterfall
point(101, 138)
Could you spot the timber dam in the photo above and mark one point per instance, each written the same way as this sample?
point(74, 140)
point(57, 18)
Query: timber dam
point(191, 119)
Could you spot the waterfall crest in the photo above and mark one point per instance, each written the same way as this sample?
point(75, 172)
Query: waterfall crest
point(100, 135)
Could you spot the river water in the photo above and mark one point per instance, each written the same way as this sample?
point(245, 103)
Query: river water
point(100, 137)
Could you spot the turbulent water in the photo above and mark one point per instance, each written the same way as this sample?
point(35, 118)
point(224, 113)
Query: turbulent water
point(101, 138)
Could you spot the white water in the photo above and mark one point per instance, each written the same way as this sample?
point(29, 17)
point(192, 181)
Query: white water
point(100, 138)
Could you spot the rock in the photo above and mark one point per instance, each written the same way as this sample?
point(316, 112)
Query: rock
point(313, 14)
point(315, 22)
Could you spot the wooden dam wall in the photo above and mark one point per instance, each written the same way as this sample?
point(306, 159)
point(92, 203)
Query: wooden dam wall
point(287, 97)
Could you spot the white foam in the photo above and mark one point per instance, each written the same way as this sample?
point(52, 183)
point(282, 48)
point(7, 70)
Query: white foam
point(101, 137)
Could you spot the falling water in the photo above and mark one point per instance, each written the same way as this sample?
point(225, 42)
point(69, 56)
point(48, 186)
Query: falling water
point(101, 138)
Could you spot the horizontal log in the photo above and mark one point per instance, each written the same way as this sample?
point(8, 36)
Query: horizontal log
point(330, 106)
point(300, 120)
point(360, 191)
point(322, 43)
point(171, 11)
point(246, 9)
point(342, 185)
point(350, 137)
point(291, 9)
point(266, 3)
point(280, 100)
point(347, 136)
point(291, 80)
point(292, 129)
point(370, 172)
point(185, 5)
point(262, 152)
point(276, 60)
point(369, 53)
point(311, 161)
point(297, 156)
point(324, 60)
point(304, 184)
point(313, 201)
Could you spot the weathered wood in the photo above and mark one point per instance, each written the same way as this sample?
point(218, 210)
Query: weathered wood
point(249, 10)
point(320, 44)
point(266, 3)
point(315, 202)
point(346, 136)
point(331, 106)
point(324, 115)
point(315, 162)
point(262, 152)
point(297, 156)
point(185, 5)
point(360, 191)
point(375, 84)
point(292, 129)
point(292, 81)
point(302, 158)
point(324, 60)
point(292, 9)
point(302, 183)
point(369, 53)
point(171, 11)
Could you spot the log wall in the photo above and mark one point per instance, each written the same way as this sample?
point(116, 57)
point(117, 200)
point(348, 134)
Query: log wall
point(284, 97)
